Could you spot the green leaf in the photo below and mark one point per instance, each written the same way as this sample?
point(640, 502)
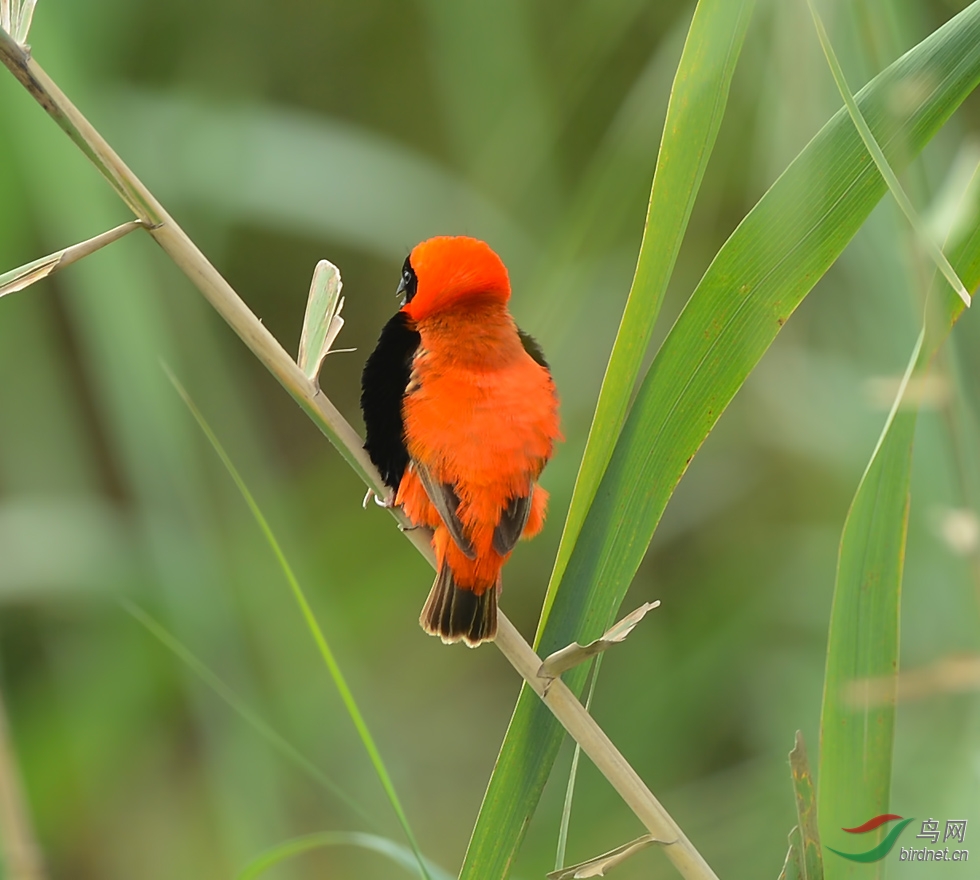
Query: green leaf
point(856, 741)
point(857, 726)
point(694, 114)
point(763, 272)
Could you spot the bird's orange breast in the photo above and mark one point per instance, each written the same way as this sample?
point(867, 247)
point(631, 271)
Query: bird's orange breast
point(482, 416)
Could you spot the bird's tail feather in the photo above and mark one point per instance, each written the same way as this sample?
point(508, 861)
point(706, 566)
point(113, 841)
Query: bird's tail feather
point(455, 614)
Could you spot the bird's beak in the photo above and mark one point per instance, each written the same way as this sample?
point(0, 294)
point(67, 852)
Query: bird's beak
point(401, 290)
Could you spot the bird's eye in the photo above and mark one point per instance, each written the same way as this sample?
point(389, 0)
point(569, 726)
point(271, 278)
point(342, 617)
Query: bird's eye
point(409, 283)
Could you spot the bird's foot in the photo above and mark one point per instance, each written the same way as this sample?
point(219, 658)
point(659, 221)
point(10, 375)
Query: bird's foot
point(387, 502)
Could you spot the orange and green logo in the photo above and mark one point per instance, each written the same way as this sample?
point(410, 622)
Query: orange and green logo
point(882, 849)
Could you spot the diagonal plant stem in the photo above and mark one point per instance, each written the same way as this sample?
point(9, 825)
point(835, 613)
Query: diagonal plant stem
point(186, 255)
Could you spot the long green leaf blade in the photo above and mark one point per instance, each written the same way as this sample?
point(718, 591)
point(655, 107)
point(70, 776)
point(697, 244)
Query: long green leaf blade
point(785, 244)
point(697, 105)
point(695, 110)
point(857, 728)
point(855, 762)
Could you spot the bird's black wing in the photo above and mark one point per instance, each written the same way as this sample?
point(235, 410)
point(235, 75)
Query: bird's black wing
point(532, 348)
point(386, 376)
point(513, 518)
point(444, 498)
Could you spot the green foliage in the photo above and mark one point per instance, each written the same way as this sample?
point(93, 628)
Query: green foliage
point(856, 735)
point(350, 132)
point(235, 703)
point(315, 630)
point(858, 720)
point(753, 285)
point(698, 100)
point(694, 116)
point(926, 241)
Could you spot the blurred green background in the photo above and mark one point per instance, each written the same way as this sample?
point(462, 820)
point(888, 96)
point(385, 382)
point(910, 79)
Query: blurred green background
point(279, 134)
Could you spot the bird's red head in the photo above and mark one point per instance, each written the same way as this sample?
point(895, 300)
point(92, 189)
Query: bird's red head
point(448, 270)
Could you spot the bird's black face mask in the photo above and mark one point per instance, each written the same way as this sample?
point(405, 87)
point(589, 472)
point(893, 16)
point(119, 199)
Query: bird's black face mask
point(409, 283)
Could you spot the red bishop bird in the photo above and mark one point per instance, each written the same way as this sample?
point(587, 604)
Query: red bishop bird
point(461, 416)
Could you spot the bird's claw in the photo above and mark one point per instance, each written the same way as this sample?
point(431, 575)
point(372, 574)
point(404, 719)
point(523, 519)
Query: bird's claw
point(387, 502)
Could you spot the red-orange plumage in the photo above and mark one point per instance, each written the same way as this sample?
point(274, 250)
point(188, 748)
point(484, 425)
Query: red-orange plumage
point(480, 417)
